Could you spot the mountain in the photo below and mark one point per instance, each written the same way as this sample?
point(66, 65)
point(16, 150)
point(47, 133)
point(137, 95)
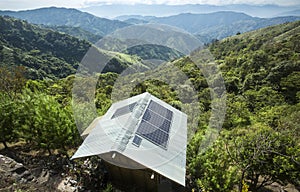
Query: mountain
point(266, 57)
point(45, 53)
point(49, 54)
point(195, 23)
point(76, 32)
point(220, 25)
point(137, 17)
point(159, 10)
point(70, 17)
point(150, 51)
point(291, 13)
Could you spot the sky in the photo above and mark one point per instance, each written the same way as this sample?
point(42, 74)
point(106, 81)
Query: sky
point(32, 4)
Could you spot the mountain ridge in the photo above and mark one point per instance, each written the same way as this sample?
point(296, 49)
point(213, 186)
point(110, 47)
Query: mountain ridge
point(115, 10)
point(49, 54)
point(218, 25)
point(70, 17)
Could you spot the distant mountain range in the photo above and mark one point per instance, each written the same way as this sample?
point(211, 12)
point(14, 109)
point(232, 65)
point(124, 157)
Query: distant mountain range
point(69, 17)
point(115, 10)
point(294, 13)
point(47, 53)
point(211, 26)
point(206, 26)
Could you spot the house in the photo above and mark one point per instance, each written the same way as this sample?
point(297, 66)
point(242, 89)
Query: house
point(143, 142)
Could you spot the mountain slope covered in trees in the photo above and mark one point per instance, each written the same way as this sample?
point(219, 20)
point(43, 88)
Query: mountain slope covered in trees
point(45, 53)
point(49, 54)
point(76, 32)
point(70, 17)
point(259, 143)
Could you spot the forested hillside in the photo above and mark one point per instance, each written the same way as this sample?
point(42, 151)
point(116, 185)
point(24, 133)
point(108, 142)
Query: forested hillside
point(68, 17)
point(47, 53)
point(76, 32)
point(259, 142)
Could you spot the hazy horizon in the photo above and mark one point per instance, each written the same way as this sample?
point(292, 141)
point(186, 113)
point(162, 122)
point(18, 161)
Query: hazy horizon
point(17, 5)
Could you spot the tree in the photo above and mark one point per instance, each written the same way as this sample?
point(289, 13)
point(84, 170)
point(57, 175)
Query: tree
point(8, 120)
point(211, 170)
point(12, 80)
point(263, 156)
point(46, 123)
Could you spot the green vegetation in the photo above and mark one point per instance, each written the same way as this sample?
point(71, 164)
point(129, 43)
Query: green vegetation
point(68, 17)
point(150, 51)
point(45, 53)
point(48, 54)
point(256, 147)
point(259, 143)
point(76, 32)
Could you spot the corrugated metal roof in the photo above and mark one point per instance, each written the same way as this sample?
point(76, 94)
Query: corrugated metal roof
point(115, 132)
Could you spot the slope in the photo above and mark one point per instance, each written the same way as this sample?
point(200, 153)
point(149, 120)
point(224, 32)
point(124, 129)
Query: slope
point(266, 57)
point(46, 53)
point(220, 25)
point(76, 32)
point(68, 17)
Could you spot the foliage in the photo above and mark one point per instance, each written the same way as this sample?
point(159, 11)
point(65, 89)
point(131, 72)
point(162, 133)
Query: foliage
point(212, 170)
point(45, 122)
point(44, 53)
point(151, 51)
point(12, 80)
point(75, 32)
point(261, 128)
point(8, 119)
point(70, 17)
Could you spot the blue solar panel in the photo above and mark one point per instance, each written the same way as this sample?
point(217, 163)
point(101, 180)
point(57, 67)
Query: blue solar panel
point(153, 134)
point(157, 120)
point(137, 141)
point(155, 124)
point(124, 110)
point(157, 108)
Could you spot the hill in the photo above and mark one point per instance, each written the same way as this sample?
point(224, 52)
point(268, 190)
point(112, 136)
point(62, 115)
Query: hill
point(266, 57)
point(220, 25)
point(76, 32)
point(291, 13)
point(68, 17)
point(162, 10)
point(211, 26)
point(47, 53)
point(44, 52)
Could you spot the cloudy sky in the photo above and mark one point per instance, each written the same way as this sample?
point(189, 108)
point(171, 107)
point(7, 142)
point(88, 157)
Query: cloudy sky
point(31, 4)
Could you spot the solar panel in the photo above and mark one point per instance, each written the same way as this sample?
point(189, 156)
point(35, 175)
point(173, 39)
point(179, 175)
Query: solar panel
point(157, 120)
point(161, 110)
point(123, 110)
point(153, 134)
point(155, 124)
point(137, 141)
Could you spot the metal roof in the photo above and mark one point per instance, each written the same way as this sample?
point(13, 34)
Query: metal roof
point(114, 134)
